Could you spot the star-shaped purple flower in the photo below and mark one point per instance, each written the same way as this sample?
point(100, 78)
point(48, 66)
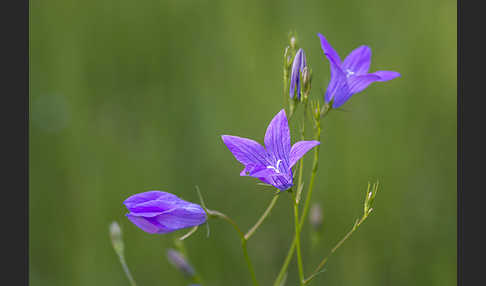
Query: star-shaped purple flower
point(162, 212)
point(273, 163)
point(350, 76)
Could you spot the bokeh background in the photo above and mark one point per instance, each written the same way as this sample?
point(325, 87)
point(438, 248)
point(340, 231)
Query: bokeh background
point(129, 96)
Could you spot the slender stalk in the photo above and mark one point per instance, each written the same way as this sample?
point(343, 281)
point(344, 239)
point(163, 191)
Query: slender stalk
point(305, 211)
point(297, 242)
point(262, 218)
point(315, 164)
point(248, 262)
point(324, 261)
point(126, 270)
point(243, 242)
point(228, 219)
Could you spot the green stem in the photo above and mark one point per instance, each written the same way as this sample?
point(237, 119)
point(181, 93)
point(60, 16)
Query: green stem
point(313, 175)
point(324, 261)
point(243, 241)
point(297, 241)
point(248, 262)
point(283, 270)
point(126, 270)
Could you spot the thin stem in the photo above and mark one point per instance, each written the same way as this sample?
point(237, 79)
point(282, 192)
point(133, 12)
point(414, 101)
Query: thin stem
point(262, 218)
point(126, 270)
point(285, 265)
point(324, 261)
point(243, 242)
point(283, 270)
point(248, 262)
point(228, 219)
point(315, 164)
point(297, 240)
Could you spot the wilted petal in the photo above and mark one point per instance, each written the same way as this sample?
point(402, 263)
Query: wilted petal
point(299, 149)
point(386, 75)
point(246, 151)
point(358, 61)
point(360, 82)
point(277, 139)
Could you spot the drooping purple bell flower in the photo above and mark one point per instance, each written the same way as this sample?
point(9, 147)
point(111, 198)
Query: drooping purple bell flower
point(350, 76)
point(297, 66)
point(273, 163)
point(162, 212)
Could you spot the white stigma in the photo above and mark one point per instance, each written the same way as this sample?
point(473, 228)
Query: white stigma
point(275, 168)
point(349, 72)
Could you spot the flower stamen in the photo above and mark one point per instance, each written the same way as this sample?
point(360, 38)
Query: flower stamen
point(276, 169)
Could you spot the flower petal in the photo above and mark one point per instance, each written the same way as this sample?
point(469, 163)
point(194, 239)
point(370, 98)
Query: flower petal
point(246, 151)
point(146, 224)
point(277, 139)
point(386, 75)
point(281, 181)
point(358, 61)
point(299, 149)
point(188, 216)
point(337, 89)
point(148, 196)
point(329, 51)
point(360, 82)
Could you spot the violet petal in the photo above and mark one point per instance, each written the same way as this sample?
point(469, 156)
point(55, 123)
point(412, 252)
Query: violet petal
point(299, 149)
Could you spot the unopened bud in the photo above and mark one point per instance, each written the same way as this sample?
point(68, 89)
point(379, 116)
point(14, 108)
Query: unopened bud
point(306, 81)
point(116, 237)
point(177, 259)
point(287, 58)
point(293, 42)
point(316, 217)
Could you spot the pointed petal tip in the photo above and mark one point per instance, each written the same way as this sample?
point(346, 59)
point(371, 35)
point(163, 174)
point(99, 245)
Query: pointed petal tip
point(387, 75)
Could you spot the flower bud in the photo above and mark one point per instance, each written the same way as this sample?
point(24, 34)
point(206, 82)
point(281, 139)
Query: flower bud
point(178, 261)
point(306, 81)
point(297, 66)
point(293, 42)
point(287, 58)
point(162, 212)
point(116, 237)
point(316, 216)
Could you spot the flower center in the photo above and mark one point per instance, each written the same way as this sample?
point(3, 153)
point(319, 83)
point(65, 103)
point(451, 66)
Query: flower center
point(275, 168)
point(349, 73)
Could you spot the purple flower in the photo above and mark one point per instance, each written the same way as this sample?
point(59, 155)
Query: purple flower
point(298, 65)
point(273, 163)
point(350, 76)
point(162, 212)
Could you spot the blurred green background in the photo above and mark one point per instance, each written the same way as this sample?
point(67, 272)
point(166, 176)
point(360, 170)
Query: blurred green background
point(130, 96)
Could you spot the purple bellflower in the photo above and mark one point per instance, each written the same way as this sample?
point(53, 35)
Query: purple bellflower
point(350, 76)
point(273, 163)
point(297, 66)
point(162, 212)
